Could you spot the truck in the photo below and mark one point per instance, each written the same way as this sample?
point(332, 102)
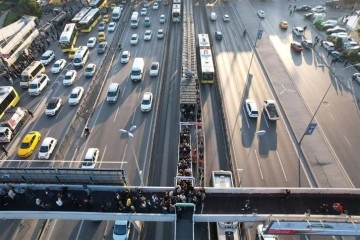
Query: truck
point(134, 20)
point(137, 70)
point(271, 110)
point(11, 122)
point(116, 13)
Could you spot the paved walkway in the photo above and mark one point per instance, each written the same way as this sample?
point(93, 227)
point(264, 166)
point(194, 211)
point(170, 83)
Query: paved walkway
point(2, 17)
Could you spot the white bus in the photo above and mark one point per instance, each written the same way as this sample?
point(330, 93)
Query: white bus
point(204, 41)
point(80, 15)
point(225, 230)
point(176, 13)
point(207, 66)
point(97, 3)
point(116, 13)
point(68, 37)
point(88, 23)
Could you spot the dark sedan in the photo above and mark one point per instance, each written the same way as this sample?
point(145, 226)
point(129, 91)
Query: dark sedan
point(303, 8)
point(296, 47)
point(102, 47)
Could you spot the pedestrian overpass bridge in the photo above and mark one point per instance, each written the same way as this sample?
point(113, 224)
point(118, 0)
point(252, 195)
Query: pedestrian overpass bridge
point(301, 213)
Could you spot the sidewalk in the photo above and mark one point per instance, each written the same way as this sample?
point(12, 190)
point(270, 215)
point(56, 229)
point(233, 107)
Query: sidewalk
point(2, 17)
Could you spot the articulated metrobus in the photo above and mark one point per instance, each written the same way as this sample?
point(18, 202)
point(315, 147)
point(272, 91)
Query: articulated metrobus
point(207, 69)
point(90, 20)
point(225, 230)
point(68, 37)
point(97, 3)
point(176, 13)
point(80, 15)
point(8, 98)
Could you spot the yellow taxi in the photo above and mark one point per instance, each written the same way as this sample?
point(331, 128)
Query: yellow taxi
point(72, 53)
point(102, 37)
point(283, 24)
point(106, 18)
point(29, 143)
point(113, 5)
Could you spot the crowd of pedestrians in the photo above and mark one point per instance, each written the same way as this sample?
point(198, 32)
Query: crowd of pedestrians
point(126, 200)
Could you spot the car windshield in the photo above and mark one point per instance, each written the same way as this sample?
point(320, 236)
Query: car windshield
point(57, 65)
point(89, 69)
point(146, 102)
point(33, 86)
point(44, 149)
point(68, 77)
point(91, 40)
point(111, 94)
point(120, 229)
point(25, 145)
point(45, 57)
point(87, 162)
point(51, 105)
point(153, 67)
point(74, 95)
point(124, 56)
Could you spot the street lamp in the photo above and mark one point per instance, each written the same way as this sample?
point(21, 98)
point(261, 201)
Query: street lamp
point(239, 170)
point(131, 136)
point(322, 99)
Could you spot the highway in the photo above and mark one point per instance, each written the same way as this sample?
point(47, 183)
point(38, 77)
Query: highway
point(257, 161)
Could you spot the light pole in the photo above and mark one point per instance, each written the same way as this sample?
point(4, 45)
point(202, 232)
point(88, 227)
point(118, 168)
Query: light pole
point(322, 99)
point(258, 36)
point(306, 132)
point(258, 133)
point(131, 136)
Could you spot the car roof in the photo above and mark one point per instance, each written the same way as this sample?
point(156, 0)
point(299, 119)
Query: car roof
point(47, 141)
point(147, 95)
point(48, 52)
point(113, 87)
point(75, 90)
point(91, 65)
point(90, 152)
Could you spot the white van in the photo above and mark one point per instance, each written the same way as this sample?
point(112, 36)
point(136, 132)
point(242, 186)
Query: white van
point(116, 13)
point(38, 84)
point(134, 21)
point(34, 69)
point(113, 93)
point(47, 57)
point(81, 56)
point(137, 70)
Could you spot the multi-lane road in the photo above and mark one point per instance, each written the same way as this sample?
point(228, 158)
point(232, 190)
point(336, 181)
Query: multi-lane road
point(268, 160)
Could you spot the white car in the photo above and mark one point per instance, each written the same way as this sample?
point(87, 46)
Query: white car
point(162, 18)
point(213, 16)
point(69, 78)
point(147, 35)
point(226, 18)
point(121, 230)
point(154, 69)
point(351, 45)
point(155, 6)
point(102, 26)
point(47, 148)
point(329, 22)
point(134, 39)
point(146, 102)
point(340, 35)
point(76, 95)
point(53, 106)
point(91, 43)
point(160, 34)
point(125, 57)
point(143, 12)
point(336, 29)
point(112, 27)
point(90, 70)
point(260, 233)
point(58, 66)
point(90, 158)
point(251, 108)
point(356, 77)
point(318, 9)
point(261, 14)
point(329, 46)
point(298, 31)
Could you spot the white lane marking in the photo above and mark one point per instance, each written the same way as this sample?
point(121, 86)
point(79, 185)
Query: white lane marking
point(52, 229)
point(347, 141)
point(102, 157)
point(116, 113)
point(257, 159)
point(123, 157)
point(332, 117)
point(282, 167)
point(78, 234)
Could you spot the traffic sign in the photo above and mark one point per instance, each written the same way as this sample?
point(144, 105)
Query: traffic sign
point(260, 32)
point(310, 129)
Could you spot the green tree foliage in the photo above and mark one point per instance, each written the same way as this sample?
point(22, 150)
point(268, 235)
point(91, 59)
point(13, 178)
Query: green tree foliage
point(30, 7)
